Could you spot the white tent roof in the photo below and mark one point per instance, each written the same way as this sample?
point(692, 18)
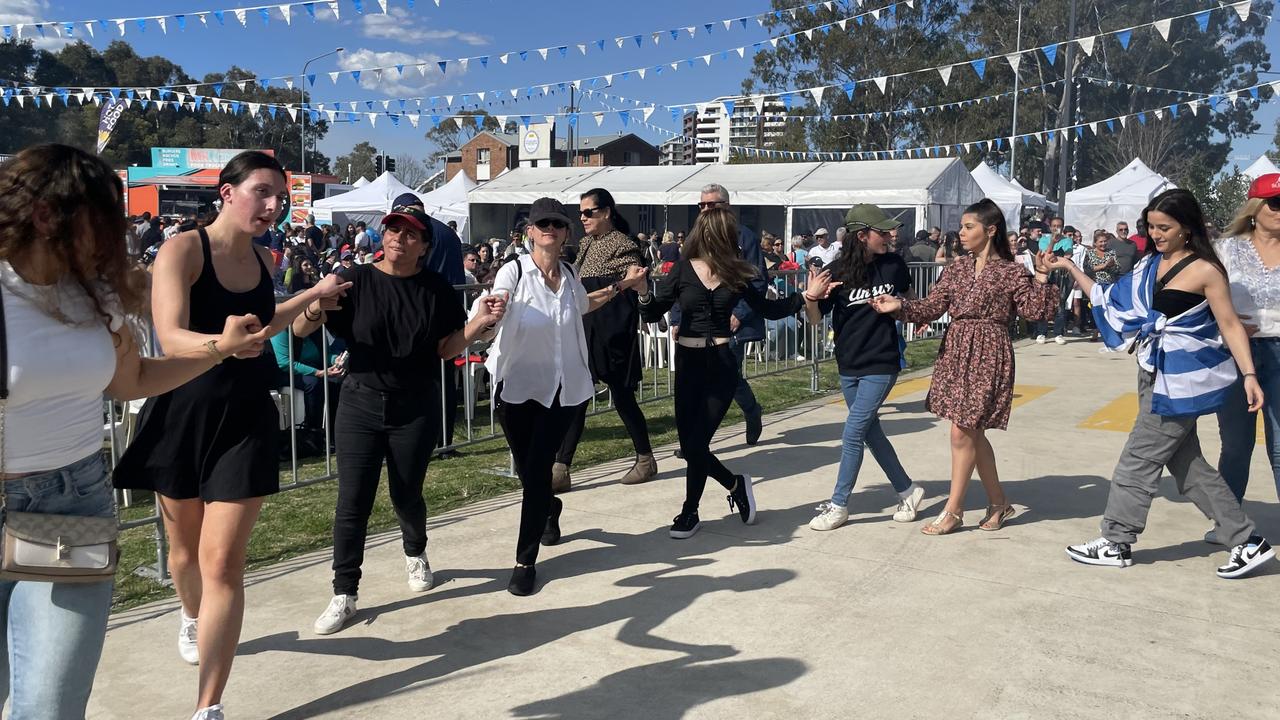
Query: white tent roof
point(375, 196)
point(1261, 166)
point(449, 199)
point(1008, 194)
point(1121, 197)
point(360, 182)
point(886, 182)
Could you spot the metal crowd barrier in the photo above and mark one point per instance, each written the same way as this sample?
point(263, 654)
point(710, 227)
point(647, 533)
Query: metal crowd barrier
point(789, 344)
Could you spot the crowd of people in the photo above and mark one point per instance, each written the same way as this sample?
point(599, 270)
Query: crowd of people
point(560, 316)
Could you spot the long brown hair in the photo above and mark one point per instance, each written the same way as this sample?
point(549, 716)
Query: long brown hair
point(80, 194)
point(714, 240)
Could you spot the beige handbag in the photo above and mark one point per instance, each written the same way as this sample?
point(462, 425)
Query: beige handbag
point(47, 547)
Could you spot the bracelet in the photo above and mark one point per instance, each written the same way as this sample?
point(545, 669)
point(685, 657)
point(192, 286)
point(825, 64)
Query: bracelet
point(1252, 374)
point(212, 347)
point(307, 315)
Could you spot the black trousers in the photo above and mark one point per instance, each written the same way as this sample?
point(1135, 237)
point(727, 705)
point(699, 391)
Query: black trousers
point(706, 379)
point(372, 427)
point(624, 401)
point(533, 432)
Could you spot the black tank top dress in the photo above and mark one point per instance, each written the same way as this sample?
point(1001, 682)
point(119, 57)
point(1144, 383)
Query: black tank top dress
point(216, 438)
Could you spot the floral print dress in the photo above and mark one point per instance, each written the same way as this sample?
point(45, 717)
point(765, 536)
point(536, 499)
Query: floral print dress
point(973, 376)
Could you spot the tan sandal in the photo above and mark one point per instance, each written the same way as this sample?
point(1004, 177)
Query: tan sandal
point(937, 527)
point(996, 517)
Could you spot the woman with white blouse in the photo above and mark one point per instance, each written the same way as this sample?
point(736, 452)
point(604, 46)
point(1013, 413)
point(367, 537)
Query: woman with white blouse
point(539, 363)
point(1251, 253)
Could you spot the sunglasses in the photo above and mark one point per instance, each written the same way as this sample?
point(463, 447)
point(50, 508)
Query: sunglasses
point(711, 204)
point(1273, 203)
point(589, 212)
point(551, 223)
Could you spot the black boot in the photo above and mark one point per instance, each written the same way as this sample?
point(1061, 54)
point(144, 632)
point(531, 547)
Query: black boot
point(522, 578)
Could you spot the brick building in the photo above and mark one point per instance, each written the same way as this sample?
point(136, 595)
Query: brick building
point(484, 156)
point(611, 151)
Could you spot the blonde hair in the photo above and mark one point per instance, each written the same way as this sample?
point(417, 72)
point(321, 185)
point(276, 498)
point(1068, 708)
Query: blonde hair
point(668, 237)
point(1242, 224)
point(714, 240)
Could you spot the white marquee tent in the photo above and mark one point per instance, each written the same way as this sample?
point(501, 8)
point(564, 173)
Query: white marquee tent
point(1008, 194)
point(794, 195)
point(367, 203)
point(449, 202)
point(1120, 198)
point(1261, 166)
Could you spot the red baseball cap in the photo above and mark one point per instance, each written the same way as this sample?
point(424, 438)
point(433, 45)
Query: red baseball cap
point(1266, 186)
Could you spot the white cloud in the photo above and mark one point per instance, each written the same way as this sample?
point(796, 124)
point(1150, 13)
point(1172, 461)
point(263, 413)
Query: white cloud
point(14, 12)
point(409, 84)
point(402, 26)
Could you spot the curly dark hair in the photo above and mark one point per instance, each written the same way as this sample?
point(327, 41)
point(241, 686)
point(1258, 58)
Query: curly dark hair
point(81, 197)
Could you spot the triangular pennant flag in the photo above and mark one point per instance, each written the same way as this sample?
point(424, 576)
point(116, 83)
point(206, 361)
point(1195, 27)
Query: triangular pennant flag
point(163, 28)
point(1162, 27)
point(1242, 9)
point(373, 119)
point(1015, 59)
point(334, 77)
point(543, 52)
point(1123, 36)
point(881, 82)
point(728, 107)
point(945, 72)
point(333, 7)
point(265, 15)
point(414, 118)
point(1086, 44)
point(1050, 53)
point(817, 94)
point(240, 14)
point(599, 116)
point(285, 11)
point(383, 3)
point(979, 66)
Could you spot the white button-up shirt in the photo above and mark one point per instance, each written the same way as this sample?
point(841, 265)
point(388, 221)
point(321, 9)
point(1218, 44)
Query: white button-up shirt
point(541, 348)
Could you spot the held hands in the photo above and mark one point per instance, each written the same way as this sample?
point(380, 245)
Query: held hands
point(243, 336)
point(332, 286)
point(885, 304)
point(820, 285)
point(1046, 261)
point(635, 279)
point(1253, 393)
point(492, 308)
point(734, 323)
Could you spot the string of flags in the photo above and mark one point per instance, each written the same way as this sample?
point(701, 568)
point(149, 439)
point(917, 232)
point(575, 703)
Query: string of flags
point(285, 10)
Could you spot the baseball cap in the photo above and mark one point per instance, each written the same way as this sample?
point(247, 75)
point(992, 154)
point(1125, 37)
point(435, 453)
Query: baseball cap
point(346, 255)
point(413, 215)
point(1266, 186)
point(407, 200)
point(869, 216)
point(548, 209)
point(819, 231)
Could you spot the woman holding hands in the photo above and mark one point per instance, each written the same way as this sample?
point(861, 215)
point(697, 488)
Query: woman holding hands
point(973, 377)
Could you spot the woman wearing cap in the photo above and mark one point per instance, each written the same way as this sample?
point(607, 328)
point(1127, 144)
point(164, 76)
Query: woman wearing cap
point(1251, 253)
point(1174, 313)
point(708, 282)
point(606, 254)
point(973, 377)
point(398, 320)
point(539, 362)
point(868, 357)
point(209, 449)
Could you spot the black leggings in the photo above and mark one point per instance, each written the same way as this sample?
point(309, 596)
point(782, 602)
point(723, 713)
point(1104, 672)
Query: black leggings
point(624, 400)
point(706, 379)
point(400, 428)
point(533, 432)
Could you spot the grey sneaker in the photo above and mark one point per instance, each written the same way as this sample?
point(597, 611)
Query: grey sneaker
point(420, 577)
point(341, 609)
point(213, 712)
point(909, 504)
point(829, 517)
point(187, 640)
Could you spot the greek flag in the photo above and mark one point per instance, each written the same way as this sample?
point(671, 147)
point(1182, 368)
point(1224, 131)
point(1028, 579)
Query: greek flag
point(1192, 367)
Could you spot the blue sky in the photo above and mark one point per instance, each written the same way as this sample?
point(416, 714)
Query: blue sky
point(463, 28)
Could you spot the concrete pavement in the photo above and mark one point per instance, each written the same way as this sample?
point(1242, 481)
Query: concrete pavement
point(774, 620)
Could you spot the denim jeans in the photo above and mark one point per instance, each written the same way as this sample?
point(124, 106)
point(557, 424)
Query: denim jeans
point(864, 396)
point(742, 393)
point(54, 631)
point(1238, 427)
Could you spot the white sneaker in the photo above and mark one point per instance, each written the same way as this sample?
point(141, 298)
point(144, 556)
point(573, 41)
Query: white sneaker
point(187, 640)
point(1040, 339)
point(213, 712)
point(420, 577)
point(909, 504)
point(1060, 340)
point(341, 609)
point(829, 517)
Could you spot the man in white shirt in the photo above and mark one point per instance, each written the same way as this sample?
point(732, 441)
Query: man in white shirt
point(825, 250)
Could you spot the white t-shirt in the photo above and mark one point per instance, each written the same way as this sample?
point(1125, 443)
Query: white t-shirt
point(828, 253)
point(57, 375)
point(541, 346)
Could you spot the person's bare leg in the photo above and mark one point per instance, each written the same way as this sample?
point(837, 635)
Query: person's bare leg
point(223, 546)
point(986, 462)
point(963, 460)
point(182, 521)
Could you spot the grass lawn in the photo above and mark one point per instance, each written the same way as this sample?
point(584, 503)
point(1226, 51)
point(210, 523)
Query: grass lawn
point(301, 520)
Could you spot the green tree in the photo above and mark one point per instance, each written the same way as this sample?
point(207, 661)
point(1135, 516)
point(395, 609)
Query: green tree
point(358, 163)
point(450, 135)
point(1222, 196)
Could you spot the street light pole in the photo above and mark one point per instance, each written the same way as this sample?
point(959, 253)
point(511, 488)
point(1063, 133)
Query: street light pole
point(302, 139)
point(1064, 164)
point(1013, 142)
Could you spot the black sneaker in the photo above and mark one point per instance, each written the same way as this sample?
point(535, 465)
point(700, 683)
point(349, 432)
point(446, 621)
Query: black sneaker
point(680, 453)
point(755, 426)
point(743, 499)
point(1246, 557)
point(522, 580)
point(1101, 552)
point(685, 525)
point(551, 535)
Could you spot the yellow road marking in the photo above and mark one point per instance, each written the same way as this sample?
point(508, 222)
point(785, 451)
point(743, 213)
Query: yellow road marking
point(909, 387)
point(1023, 394)
point(1120, 414)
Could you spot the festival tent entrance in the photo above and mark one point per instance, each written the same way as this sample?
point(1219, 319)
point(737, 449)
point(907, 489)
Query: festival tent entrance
point(1008, 194)
point(785, 198)
point(449, 202)
point(1261, 166)
point(367, 203)
point(1120, 198)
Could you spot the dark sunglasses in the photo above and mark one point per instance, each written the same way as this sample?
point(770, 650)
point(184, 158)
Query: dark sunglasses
point(589, 212)
point(1273, 203)
point(711, 204)
point(551, 223)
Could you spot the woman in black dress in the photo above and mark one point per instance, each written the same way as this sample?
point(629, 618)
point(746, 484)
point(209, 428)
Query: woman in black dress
point(209, 449)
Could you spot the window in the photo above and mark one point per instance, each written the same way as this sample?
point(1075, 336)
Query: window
point(630, 158)
point(482, 156)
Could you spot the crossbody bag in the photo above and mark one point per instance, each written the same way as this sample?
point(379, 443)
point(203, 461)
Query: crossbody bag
point(42, 546)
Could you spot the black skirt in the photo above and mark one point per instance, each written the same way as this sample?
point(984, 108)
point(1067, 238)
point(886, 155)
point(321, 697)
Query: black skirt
point(613, 341)
point(216, 438)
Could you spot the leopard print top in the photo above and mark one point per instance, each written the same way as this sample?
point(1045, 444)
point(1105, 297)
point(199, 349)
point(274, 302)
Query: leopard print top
point(607, 256)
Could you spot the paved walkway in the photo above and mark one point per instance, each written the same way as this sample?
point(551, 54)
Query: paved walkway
point(872, 620)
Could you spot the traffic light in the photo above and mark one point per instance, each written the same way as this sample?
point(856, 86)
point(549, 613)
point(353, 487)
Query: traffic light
point(378, 163)
point(389, 162)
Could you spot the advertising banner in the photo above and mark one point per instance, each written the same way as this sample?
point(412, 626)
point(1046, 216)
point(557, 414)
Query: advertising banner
point(299, 197)
point(111, 112)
